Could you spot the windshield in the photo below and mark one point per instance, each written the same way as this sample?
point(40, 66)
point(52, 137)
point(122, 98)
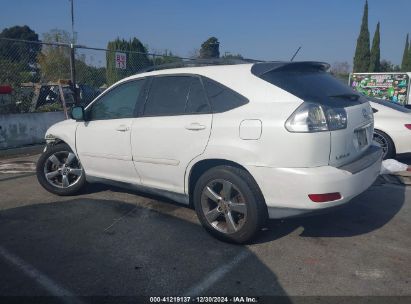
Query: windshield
point(390, 104)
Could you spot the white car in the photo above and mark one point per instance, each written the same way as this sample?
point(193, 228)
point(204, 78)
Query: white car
point(240, 143)
point(392, 127)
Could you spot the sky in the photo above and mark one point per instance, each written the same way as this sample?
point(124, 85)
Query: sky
point(326, 30)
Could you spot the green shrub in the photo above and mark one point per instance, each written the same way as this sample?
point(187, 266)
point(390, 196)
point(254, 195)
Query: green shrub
point(51, 107)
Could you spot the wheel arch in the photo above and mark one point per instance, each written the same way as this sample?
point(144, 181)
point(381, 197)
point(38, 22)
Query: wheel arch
point(202, 166)
point(64, 131)
point(57, 140)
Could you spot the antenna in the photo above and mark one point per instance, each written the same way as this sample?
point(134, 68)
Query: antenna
point(295, 54)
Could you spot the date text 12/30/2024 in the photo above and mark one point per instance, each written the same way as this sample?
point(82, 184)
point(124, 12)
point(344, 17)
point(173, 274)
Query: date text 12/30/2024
point(203, 299)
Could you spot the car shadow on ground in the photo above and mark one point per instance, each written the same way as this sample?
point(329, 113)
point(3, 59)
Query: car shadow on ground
point(367, 212)
point(110, 248)
point(91, 188)
point(364, 214)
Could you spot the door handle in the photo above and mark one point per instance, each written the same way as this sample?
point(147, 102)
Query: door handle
point(195, 127)
point(122, 128)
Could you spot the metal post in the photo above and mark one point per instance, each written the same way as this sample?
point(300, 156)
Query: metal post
point(73, 73)
point(72, 56)
point(73, 39)
point(63, 101)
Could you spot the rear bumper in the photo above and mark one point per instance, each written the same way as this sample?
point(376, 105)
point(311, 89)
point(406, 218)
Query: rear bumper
point(286, 190)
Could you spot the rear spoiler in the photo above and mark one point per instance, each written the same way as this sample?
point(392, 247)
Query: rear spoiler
point(259, 69)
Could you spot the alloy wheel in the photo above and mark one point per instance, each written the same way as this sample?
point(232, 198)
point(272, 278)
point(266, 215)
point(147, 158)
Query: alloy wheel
point(383, 143)
point(224, 206)
point(62, 169)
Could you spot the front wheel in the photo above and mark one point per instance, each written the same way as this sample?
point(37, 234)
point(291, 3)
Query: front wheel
point(59, 171)
point(229, 204)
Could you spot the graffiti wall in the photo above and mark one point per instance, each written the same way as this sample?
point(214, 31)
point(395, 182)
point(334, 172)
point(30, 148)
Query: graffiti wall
point(392, 87)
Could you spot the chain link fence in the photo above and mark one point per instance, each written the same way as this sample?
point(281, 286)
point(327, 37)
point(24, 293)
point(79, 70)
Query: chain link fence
point(38, 76)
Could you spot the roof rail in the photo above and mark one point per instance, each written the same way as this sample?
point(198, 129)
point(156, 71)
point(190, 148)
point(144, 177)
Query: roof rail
point(197, 63)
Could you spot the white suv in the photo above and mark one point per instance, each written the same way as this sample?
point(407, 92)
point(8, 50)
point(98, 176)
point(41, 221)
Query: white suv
point(240, 143)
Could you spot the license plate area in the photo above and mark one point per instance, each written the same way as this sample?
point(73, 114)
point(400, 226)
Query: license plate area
point(362, 137)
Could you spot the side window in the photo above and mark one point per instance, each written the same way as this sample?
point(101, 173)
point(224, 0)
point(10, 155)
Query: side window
point(222, 98)
point(119, 102)
point(197, 101)
point(167, 96)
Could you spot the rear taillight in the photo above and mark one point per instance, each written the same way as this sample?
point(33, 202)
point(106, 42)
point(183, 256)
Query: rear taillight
point(408, 126)
point(325, 197)
point(336, 118)
point(311, 117)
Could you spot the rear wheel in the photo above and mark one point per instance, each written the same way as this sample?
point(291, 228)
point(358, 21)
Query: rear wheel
point(229, 204)
point(386, 143)
point(59, 171)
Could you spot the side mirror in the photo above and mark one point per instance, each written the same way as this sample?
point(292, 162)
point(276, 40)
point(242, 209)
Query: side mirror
point(77, 113)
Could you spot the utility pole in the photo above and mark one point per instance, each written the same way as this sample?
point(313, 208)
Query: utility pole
point(72, 56)
point(72, 21)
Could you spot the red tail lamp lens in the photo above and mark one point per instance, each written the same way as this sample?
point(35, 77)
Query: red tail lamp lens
point(324, 197)
point(5, 89)
point(408, 126)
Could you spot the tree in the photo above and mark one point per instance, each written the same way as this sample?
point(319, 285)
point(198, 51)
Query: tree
point(408, 66)
point(18, 59)
point(57, 35)
point(54, 60)
point(228, 55)
point(362, 51)
point(405, 62)
point(375, 51)
point(21, 52)
point(341, 70)
point(88, 74)
point(210, 48)
point(165, 58)
point(136, 58)
point(406, 57)
point(388, 66)
point(18, 64)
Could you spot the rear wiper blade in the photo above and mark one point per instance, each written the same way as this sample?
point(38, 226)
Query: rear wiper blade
point(349, 96)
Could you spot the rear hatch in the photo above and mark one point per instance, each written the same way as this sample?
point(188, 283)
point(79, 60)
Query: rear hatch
point(311, 82)
point(349, 144)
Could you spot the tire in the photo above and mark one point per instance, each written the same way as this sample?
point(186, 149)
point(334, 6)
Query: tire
point(386, 143)
point(65, 173)
point(234, 198)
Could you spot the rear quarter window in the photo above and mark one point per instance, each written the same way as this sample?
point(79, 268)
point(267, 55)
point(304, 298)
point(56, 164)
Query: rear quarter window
point(221, 98)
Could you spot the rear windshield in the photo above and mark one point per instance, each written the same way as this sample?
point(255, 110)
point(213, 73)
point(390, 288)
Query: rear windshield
point(390, 104)
point(314, 86)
